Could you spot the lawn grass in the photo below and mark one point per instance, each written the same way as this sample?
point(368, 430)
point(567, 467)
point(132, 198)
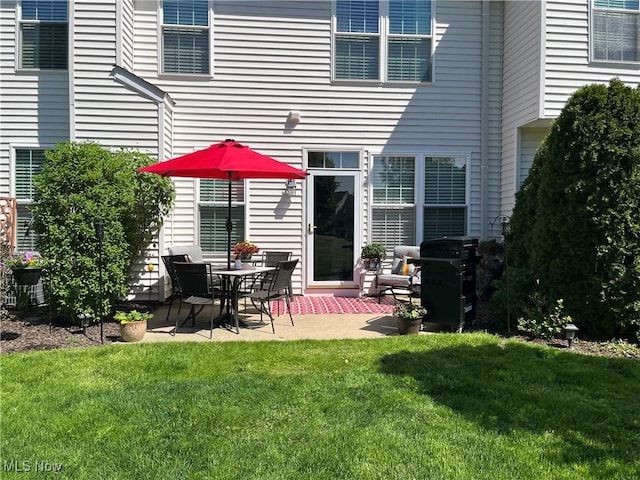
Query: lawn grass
point(444, 406)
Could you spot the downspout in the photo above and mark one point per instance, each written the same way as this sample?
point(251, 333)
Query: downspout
point(71, 63)
point(484, 116)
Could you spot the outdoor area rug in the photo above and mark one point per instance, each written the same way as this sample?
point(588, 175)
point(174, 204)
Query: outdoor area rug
point(310, 305)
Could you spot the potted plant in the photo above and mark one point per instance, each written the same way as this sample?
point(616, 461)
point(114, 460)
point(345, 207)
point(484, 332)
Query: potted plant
point(408, 317)
point(26, 268)
point(133, 324)
point(243, 250)
point(372, 254)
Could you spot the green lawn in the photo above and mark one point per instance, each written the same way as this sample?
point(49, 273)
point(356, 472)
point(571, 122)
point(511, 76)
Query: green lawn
point(444, 406)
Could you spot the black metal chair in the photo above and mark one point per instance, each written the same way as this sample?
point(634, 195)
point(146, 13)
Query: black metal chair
point(275, 287)
point(197, 290)
point(176, 291)
point(269, 259)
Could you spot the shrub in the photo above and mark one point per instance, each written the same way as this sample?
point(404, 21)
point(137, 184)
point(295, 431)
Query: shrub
point(575, 223)
point(80, 184)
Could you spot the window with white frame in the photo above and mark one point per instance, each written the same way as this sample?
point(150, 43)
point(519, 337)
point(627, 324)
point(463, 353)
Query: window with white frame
point(213, 209)
point(185, 36)
point(383, 40)
point(28, 163)
point(393, 200)
point(445, 197)
point(395, 190)
point(43, 34)
point(615, 30)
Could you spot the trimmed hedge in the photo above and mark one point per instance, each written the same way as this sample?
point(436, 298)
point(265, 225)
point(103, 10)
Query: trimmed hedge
point(575, 228)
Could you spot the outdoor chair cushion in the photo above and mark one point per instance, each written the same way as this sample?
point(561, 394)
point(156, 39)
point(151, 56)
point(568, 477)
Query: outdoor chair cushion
point(194, 252)
point(404, 275)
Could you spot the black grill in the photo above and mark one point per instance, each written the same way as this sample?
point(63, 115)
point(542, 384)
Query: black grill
point(448, 272)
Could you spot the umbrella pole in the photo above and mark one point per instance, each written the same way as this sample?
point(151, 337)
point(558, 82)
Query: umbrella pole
point(229, 225)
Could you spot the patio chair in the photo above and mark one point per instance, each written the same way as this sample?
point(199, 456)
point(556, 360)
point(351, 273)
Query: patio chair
point(275, 287)
point(197, 290)
point(176, 292)
point(269, 259)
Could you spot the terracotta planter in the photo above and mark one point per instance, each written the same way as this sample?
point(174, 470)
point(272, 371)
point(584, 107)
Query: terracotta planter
point(408, 326)
point(133, 331)
point(27, 276)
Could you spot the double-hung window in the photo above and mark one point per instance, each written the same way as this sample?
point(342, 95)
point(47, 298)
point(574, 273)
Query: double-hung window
point(213, 208)
point(185, 36)
point(393, 201)
point(28, 164)
point(445, 197)
point(615, 31)
point(397, 186)
point(43, 35)
point(383, 40)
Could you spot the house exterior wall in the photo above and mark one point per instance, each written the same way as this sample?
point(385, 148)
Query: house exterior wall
point(521, 85)
point(34, 105)
point(541, 73)
point(502, 72)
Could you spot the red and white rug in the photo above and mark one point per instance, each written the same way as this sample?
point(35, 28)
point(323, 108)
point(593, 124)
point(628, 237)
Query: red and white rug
point(310, 305)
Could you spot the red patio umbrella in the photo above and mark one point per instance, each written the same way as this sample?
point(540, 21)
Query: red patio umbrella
point(226, 160)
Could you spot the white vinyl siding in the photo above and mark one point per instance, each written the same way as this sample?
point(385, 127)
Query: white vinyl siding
point(615, 30)
point(43, 35)
point(213, 208)
point(370, 33)
point(185, 36)
point(530, 139)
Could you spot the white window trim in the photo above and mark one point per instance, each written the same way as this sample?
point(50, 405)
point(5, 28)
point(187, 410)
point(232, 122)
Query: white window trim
point(160, 43)
point(198, 204)
point(383, 36)
point(419, 187)
point(591, 34)
point(18, 40)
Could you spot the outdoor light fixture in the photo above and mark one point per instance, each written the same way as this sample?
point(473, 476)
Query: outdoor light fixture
point(294, 116)
point(505, 225)
point(290, 187)
point(85, 321)
point(569, 332)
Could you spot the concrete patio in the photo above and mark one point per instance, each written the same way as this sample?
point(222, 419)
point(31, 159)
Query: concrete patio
point(315, 326)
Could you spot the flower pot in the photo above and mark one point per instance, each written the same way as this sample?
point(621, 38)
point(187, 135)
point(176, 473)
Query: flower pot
point(133, 331)
point(408, 326)
point(237, 264)
point(27, 276)
point(371, 264)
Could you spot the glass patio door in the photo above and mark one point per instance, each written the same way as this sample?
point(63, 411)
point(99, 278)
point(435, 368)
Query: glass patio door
point(333, 209)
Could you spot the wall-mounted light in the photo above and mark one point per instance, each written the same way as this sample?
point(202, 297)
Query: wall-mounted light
point(290, 187)
point(294, 116)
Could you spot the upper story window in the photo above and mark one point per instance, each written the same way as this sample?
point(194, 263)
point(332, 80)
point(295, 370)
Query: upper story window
point(185, 36)
point(43, 34)
point(615, 30)
point(383, 40)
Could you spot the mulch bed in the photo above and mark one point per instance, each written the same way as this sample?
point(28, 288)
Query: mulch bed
point(31, 330)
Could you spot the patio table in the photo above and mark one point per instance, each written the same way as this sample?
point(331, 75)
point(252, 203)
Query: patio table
point(232, 280)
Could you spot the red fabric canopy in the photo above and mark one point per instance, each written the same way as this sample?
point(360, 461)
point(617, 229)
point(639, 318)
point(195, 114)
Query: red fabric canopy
point(228, 160)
